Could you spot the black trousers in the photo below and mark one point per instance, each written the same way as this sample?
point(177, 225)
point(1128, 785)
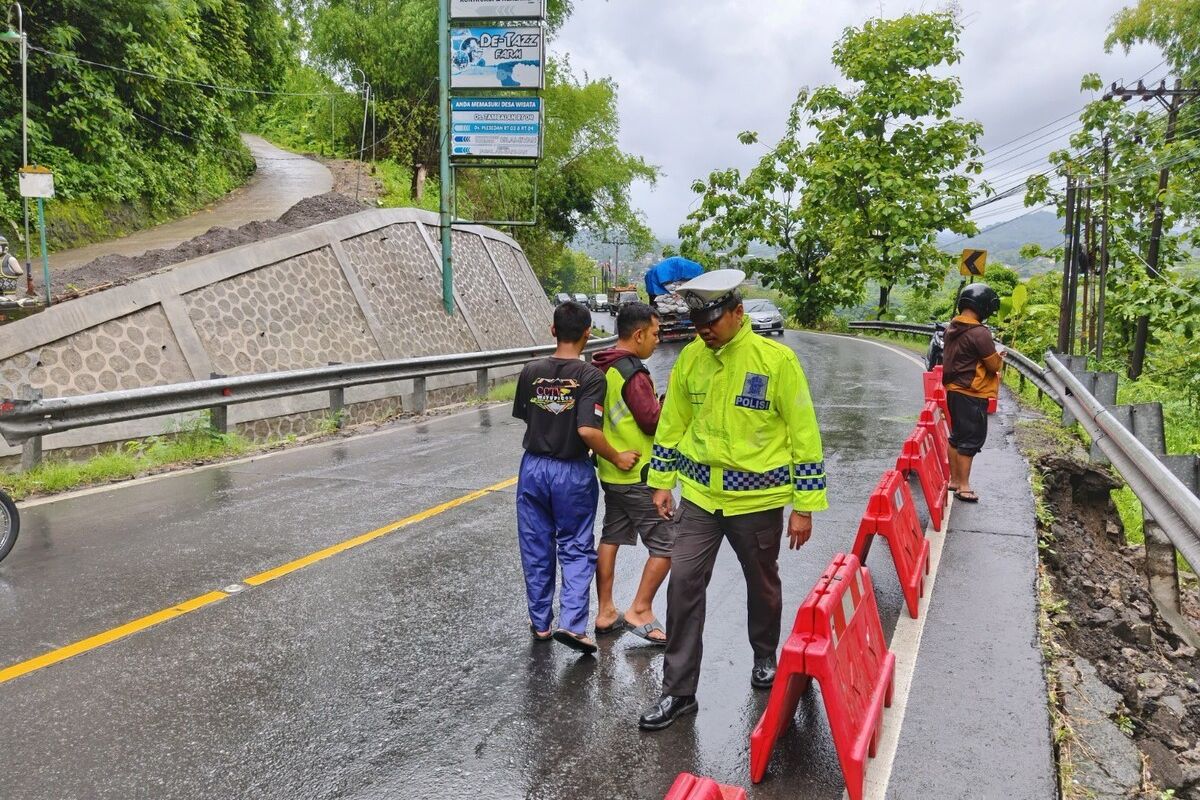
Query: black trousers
point(755, 539)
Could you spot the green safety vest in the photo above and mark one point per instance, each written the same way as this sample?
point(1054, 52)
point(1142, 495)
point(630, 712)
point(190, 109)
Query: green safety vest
point(738, 429)
point(620, 428)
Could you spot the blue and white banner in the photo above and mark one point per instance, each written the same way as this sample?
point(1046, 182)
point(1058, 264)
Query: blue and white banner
point(496, 127)
point(498, 9)
point(496, 58)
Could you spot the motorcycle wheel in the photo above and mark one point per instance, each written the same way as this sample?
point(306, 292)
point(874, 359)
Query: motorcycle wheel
point(10, 524)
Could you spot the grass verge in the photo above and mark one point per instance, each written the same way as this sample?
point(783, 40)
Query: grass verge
point(192, 443)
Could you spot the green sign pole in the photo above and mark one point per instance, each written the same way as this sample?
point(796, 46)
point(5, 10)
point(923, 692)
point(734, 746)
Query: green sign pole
point(445, 190)
point(45, 255)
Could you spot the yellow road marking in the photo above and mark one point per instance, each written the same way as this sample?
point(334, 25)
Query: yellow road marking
point(321, 555)
point(188, 606)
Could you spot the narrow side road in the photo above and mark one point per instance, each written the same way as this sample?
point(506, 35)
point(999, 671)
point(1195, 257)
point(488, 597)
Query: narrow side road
point(282, 180)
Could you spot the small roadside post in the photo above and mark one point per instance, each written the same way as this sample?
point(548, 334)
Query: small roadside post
point(38, 182)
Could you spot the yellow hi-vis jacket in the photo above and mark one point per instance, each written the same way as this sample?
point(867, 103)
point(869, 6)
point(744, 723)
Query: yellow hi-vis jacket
point(620, 428)
point(738, 429)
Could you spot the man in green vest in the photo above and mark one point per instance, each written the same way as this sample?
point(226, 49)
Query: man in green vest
point(738, 431)
point(630, 420)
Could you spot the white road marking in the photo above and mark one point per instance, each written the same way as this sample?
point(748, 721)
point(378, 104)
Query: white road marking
point(393, 428)
point(905, 644)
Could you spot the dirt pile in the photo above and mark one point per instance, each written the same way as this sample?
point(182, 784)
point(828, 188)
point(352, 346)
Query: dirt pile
point(114, 270)
point(1104, 616)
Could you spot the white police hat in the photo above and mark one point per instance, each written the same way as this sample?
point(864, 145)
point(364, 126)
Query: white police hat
point(709, 295)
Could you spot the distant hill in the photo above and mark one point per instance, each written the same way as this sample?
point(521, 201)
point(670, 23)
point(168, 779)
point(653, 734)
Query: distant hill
point(1003, 240)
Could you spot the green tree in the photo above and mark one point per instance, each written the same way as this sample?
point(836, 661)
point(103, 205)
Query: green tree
point(891, 165)
point(766, 209)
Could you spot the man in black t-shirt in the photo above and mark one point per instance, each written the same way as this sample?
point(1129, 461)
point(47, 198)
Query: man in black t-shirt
point(561, 400)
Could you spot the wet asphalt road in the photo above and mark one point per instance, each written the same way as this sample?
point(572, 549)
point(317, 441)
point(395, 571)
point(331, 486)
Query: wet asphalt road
point(401, 668)
point(281, 180)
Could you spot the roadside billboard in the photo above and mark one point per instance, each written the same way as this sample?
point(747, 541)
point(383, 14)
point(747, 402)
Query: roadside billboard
point(496, 127)
point(497, 9)
point(496, 58)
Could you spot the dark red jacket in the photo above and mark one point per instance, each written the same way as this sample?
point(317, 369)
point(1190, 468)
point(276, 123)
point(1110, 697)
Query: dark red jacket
point(639, 391)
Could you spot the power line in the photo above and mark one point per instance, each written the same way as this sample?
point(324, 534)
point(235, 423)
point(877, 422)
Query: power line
point(181, 81)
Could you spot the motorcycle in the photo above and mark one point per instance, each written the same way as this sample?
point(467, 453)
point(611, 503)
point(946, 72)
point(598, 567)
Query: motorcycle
point(933, 356)
point(10, 524)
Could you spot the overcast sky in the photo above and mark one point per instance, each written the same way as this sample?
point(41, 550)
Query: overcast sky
point(694, 73)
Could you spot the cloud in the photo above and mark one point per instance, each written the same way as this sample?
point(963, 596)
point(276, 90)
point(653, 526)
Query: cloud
point(694, 73)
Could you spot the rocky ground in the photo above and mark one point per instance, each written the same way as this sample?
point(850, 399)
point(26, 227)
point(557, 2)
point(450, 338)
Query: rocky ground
point(1126, 687)
point(114, 270)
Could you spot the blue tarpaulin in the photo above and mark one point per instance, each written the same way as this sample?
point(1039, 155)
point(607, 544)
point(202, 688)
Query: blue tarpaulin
point(669, 270)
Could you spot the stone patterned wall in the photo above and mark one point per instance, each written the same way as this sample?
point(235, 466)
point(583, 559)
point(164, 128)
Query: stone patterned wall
point(294, 314)
point(404, 287)
point(530, 298)
point(124, 353)
point(487, 301)
point(284, 303)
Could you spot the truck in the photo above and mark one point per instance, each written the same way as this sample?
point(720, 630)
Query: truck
point(675, 324)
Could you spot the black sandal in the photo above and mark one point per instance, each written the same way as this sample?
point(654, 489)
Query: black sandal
point(538, 636)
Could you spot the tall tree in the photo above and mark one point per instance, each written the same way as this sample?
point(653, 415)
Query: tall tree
point(761, 222)
point(891, 165)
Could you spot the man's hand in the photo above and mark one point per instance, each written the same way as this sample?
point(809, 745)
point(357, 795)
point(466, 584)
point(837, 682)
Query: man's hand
point(799, 529)
point(664, 501)
point(626, 460)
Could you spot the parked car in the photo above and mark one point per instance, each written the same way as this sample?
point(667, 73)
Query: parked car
point(765, 317)
point(600, 302)
point(561, 298)
point(582, 299)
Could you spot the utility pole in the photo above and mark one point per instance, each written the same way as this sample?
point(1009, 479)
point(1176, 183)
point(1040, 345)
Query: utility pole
point(1064, 308)
point(1173, 100)
point(1103, 279)
point(444, 188)
point(1087, 260)
point(616, 264)
point(1075, 262)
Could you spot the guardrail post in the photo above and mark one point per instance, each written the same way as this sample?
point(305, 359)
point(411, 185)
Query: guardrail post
point(218, 416)
point(420, 396)
point(481, 383)
point(31, 448)
point(337, 402)
point(1162, 570)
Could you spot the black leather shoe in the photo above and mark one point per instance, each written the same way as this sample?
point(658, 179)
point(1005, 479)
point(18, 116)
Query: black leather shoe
point(763, 674)
point(666, 710)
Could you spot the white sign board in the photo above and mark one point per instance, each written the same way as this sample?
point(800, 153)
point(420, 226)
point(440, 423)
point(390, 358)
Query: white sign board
point(496, 58)
point(497, 9)
point(36, 183)
point(496, 127)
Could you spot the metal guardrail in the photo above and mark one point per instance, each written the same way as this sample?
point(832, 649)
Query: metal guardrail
point(1171, 504)
point(1026, 367)
point(24, 419)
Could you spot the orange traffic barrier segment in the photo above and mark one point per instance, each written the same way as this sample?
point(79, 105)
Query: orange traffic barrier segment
point(931, 417)
point(919, 455)
point(892, 515)
point(690, 787)
point(934, 389)
point(838, 641)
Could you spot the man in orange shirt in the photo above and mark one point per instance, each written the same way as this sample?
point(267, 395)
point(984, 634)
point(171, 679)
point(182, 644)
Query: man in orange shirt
point(971, 373)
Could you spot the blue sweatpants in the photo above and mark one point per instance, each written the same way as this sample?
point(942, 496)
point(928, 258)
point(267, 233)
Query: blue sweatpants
point(556, 513)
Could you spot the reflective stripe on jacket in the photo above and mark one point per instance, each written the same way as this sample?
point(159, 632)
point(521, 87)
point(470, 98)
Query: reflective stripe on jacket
point(738, 429)
point(620, 428)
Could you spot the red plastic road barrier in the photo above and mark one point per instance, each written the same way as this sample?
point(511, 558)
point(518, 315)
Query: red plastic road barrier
point(838, 640)
point(939, 425)
point(934, 390)
point(892, 515)
point(690, 787)
point(919, 455)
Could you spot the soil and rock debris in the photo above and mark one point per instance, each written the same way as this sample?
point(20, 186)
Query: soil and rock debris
point(1127, 687)
point(114, 270)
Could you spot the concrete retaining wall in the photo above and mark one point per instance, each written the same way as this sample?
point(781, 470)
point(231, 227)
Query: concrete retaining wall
point(362, 288)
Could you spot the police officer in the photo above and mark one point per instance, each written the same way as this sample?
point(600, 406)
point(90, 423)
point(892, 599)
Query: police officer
point(739, 433)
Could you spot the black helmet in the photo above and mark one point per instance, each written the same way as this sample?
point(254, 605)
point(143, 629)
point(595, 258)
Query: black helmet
point(980, 298)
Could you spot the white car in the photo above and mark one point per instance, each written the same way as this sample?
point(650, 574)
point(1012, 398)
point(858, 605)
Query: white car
point(765, 317)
